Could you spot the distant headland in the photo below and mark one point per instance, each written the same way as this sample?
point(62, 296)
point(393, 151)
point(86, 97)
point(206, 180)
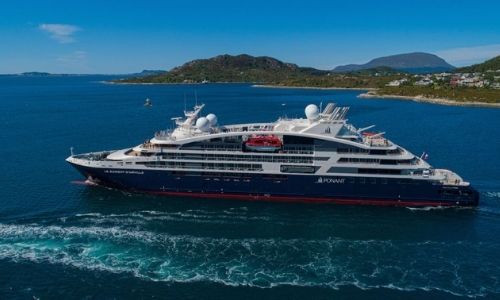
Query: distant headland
point(47, 74)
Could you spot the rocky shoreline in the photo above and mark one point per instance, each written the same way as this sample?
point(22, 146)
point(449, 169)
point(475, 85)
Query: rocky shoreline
point(270, 86)
point(372, 93)
point(420, 98)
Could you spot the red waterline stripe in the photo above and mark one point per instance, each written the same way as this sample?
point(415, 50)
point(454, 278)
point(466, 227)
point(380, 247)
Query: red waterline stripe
point(388, 202)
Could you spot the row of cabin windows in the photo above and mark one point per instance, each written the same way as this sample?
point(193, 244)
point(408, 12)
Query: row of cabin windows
point(369, 151)
point(312, 143)
point(258, 158)
point(298, 169)
point(291, 144)
point(363, 170)
point(364, 180)
point(375, 161)
point(295, 149)
point(379, 171)
point(215, 146)
point(194, 165)
point(301, 149)
point(278, 177)
point(224, 175)
point(239, 147)
point(372, 180)
point(227, 143)
point(273, 177)
point(243, 176)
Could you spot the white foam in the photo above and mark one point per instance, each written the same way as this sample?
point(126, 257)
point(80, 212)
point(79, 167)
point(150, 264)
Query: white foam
point(493, 194)
point(262, 263)
point(429, 208)
point(193, 216)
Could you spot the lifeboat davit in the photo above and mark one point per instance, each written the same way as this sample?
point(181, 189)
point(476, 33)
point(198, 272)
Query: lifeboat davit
point(263, 143)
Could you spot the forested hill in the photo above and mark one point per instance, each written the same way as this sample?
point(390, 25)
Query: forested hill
point(489, 65)
point(229, 68)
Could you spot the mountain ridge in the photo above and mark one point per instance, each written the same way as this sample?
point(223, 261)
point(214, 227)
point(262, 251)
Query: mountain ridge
point(414, 62)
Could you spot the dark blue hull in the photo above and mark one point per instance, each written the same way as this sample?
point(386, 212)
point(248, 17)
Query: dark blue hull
point(305, 188)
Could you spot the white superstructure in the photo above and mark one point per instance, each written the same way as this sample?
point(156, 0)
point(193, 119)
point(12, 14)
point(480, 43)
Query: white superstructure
point(323, 143)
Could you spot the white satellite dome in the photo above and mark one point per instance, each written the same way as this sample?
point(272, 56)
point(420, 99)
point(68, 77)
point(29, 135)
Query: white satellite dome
point(202, 124)
point(312, 112)
point(212, 119)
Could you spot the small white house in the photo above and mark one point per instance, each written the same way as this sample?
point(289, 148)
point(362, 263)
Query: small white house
point(397, 82)
point(424, 82)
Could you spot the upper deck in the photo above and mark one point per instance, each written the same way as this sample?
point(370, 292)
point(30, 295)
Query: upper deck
point(330, 124)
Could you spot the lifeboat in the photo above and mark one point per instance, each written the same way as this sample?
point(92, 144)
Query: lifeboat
point(263, 143)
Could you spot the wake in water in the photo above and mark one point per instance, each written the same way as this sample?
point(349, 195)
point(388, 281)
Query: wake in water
point(429, 208)
point(493, 195)
point(487, 195)
point(264, 262)
point(439, 208)
point(191, 216)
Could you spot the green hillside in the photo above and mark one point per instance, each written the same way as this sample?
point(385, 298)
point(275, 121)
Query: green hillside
point(229, 68)
point(491, 64)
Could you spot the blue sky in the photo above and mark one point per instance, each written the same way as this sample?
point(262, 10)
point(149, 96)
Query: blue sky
point(129, 36)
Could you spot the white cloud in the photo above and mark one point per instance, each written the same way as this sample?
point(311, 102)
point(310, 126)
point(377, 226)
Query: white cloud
point(469, 55)
point(63, 33)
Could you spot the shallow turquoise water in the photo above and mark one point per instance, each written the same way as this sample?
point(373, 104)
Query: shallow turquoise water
point(61, 238)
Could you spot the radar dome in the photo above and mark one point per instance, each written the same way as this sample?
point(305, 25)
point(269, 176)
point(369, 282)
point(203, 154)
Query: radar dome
point(212, 119)
point(202, 124)
point(312, 112)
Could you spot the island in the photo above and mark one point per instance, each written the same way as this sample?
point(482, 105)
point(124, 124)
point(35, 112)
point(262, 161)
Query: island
point(413, 76)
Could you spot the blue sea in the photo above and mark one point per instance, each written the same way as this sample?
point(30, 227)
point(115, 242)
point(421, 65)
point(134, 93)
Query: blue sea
point(62, 239)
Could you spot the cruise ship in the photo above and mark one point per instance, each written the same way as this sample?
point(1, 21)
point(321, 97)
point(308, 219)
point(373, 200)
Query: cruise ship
point(317, 159)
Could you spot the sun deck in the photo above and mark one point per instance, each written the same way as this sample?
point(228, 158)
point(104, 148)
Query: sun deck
point(450, 178)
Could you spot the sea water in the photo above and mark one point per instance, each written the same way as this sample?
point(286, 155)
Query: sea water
point(61, 238)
